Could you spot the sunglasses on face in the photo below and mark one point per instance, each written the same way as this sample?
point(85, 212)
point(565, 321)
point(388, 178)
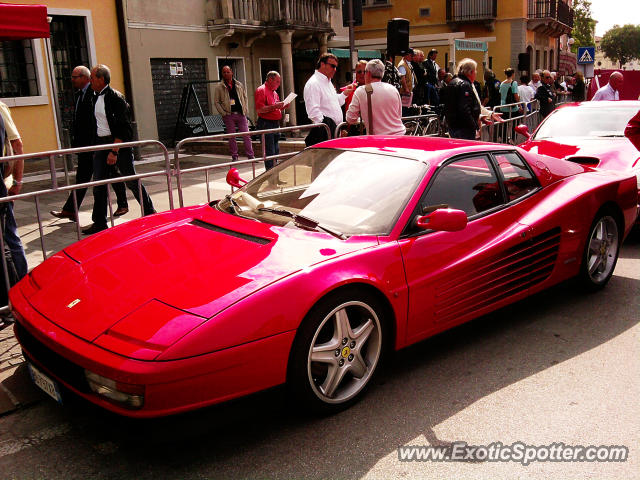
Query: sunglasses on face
point(332, 65)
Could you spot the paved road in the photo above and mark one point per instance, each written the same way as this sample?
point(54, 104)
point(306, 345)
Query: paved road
point(560, 367)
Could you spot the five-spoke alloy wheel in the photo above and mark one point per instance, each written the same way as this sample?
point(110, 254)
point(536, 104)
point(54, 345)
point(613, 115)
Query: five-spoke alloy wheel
point(337, 350)
point(601, 252)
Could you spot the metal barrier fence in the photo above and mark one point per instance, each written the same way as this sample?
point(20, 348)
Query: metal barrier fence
point(504, 132)
point(252, 161)
point(55, 188)
point(420, 125)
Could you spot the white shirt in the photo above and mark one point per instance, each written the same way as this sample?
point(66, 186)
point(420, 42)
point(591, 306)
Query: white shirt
point(322, 100)
point(535, 85)
point(101, 117)
point(606, 93)
point(386, 109)
point(525, 92)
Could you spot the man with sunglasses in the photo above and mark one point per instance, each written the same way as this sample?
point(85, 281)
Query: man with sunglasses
point(321, 100)
point(545, 95)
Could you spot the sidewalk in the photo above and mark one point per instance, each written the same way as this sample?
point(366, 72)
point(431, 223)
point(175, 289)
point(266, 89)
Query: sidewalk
point(16, 388)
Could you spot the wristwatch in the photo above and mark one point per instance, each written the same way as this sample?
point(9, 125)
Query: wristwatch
point(16, 182)
point(115, 152)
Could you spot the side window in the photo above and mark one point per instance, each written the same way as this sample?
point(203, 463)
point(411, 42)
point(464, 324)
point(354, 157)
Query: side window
point(469, 184)
point(518, 180)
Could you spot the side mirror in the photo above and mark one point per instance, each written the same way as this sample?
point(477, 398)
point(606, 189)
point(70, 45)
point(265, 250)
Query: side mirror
point(233, 178)
point(443, 220)
point(523, 130)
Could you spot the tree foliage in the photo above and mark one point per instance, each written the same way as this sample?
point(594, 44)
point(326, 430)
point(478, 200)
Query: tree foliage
point(622, 44)
point(583, 25)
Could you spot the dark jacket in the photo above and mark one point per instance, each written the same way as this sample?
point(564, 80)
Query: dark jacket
point(432, 73)
point(462, 109)
point(83, 129)
point(578, 94)
point(118, 115)
point(543, 94)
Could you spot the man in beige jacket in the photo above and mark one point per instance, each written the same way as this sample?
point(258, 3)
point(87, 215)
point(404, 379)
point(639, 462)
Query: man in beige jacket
point(230, 99)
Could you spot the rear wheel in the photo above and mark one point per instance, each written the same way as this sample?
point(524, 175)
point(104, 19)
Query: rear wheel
point(601, 252)
point(336, 351)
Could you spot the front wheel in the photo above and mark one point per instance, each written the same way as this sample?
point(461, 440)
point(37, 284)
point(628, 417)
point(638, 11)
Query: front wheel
point(336, 351)
point(601, 252)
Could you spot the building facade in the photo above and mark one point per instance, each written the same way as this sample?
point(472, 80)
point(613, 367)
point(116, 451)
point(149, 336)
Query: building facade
point(523, 34)
point(35, 75)
point(171, 48)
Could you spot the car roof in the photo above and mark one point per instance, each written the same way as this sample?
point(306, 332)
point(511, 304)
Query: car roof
point(423, 149)
point(604, 103)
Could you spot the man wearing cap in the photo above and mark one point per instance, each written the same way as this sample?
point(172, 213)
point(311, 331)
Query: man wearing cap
point(407, 81)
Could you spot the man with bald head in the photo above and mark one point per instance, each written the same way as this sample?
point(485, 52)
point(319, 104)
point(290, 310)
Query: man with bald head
point(611, 91)
point(83, 134)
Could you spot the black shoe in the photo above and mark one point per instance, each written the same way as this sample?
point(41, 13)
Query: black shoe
point(63, 214)
point(94, 228)
point(120, 211)
point(150, 212)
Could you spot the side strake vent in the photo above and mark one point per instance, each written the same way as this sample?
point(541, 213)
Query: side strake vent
point(589, 161)
point(500, 277)
point(226, 231)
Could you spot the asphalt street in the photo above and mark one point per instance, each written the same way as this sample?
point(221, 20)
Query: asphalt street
point(562, 366)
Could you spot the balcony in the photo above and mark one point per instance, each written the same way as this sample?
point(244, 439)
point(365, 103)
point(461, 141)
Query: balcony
point(550, 17)
point(257, 15)
point(472, 11)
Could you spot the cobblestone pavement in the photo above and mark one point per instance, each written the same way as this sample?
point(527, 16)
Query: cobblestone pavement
point(15, 386)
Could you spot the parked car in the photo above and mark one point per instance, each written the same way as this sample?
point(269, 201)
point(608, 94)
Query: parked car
point(588, 133)
point(309, 274)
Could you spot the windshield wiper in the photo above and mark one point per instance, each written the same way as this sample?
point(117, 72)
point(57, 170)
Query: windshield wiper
point(303, 222)
point(235, 208)
point(612, 135)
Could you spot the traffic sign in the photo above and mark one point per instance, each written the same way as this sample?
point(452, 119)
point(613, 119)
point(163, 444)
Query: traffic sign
point(586, 55)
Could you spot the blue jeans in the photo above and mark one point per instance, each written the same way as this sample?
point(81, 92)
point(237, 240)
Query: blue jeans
point(271, 145)
point(10, 235)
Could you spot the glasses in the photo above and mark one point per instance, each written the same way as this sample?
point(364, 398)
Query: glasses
point(359, 71)
point(332, 65)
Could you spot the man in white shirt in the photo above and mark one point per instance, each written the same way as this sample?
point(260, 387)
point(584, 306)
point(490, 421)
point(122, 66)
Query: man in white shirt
point(611, 91)
point(535, 81)
point(321, 99)
point(525, 92)
point(407, 80)
point(386, 106)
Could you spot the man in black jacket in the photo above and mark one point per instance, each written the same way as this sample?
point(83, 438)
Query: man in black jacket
point(113, 125)
point(545, 96)
point(462, 106)
point(83, 134)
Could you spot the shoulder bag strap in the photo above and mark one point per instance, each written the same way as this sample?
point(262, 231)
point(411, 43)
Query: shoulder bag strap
point(369, 89)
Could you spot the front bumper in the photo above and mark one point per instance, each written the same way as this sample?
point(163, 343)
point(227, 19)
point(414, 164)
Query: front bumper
point(170, 386)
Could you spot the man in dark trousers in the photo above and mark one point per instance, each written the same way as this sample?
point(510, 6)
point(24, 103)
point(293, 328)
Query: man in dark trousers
point(545, 95)
point(83, 134)
point(462, 105)
point(113, 125)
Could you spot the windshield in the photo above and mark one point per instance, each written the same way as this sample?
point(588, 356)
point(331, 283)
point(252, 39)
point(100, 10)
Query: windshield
point(346, 191)
point(586, 122)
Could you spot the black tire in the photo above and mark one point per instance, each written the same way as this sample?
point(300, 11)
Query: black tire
point(341, 371)
point(601, 251)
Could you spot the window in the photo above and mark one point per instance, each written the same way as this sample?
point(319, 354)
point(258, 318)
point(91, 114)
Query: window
point(518, 180)
point(18, 76)
point(469, 184)
point(424, 12)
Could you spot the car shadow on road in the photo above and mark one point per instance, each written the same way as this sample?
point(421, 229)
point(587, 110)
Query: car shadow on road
point(418, 389)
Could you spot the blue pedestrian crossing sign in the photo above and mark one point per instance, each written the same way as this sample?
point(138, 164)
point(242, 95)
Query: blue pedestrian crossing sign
point(586, 55)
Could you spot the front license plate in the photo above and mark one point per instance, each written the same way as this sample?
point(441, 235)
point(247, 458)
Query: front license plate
point(50, 387)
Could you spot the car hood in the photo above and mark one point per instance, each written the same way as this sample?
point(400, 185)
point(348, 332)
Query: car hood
point(608, 153)
point(194, 260)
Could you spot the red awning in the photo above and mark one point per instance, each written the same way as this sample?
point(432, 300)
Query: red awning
point(18, 22)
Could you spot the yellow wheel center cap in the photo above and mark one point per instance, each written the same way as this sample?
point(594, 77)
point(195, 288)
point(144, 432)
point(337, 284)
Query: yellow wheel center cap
point(346, 351)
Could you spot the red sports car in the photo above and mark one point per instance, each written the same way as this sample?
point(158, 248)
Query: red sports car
point(308, 274)
point(588, 133)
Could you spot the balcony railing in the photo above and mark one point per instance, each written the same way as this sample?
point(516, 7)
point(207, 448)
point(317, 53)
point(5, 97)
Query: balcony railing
point(278, 12)
point(553, 9)
point(471, 10)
